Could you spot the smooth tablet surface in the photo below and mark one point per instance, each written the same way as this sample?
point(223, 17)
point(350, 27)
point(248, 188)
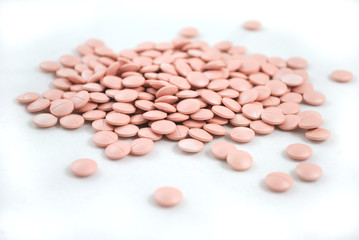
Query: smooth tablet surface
point(72, 121)
point(141, 146)
point(241, 134)
point(128, 130)
point(167, 196)
point(189, 32)
point(50, 66)
point(180, 133)
point(308, 171)
point(83, 167)
point(163, 127)
point(221, 149)
point(44, 120)
point(104, 138)
point(117, 150)
point(190, 145)
point(341, 75)
point(252, 25)
point(38, 105)
point(279, 181)
point(61, 107)
point(239, 160)
point(28, 97)
point(317, 134)
point(200, 135)
point(299, 151)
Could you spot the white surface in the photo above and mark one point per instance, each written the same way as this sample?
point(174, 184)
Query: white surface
point(40, 199)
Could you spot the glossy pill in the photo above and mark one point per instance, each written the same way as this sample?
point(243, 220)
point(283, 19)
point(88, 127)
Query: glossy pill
point(239, 160)
point(118, 150)
point(83, 167)
point(44, 120)
point(141, 146)
point(167, 196)
point(299, 151)
point(308, 171)
point(190, 145)
point(279, 181)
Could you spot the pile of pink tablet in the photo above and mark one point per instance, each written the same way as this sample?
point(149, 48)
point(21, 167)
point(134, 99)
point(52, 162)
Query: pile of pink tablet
point(184, 90)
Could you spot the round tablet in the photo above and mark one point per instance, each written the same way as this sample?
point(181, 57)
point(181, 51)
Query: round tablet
point(215, 129)
point(188, 106)
point(117, 150)
point(197, 79)
point(273, 116)
point(308, 171)
point(189, 32)
point(291, 122)
point(317, 134)
point(104, 138)
point(61, 107)
point(239, 160)
point(240, 121)
point(279, 181)
point(261, 127)
point(72, 121)
point(190, 145)
point(38, 105)
point(102, 125)
point(252, 25)
point(83, 167)
point(126, 95)
point(297, 62)
point(50, 66)
point(180, 133)
point(221, 149)
point(291, 79)
point(163, 127)
point(223, 112)
point(168, 196)
point(146, 132)
point(299, 151)
point(141, 146)
point(44, 120)
point(211, 97)
point(117, 119)
point(28, 97)
point(53, 94)
point(128, 130)
point(341, 75)
point(80, 99)
point(200, 135)
point(241, 134)
point(313, 98)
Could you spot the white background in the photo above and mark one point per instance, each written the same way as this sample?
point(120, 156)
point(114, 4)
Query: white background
point(40, 199)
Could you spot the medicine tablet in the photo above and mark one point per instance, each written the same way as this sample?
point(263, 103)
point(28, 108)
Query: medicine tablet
point(117, 150)
point(241, 134)
point(189, 32)
point(190, 145)
point(279, 181)
point(299, 151)
point(239, 160)
point(141, 146)
point(167, 196)
point(72, 121)
point(104, 138)
point(221, 149)
point(83, 167)
point(44, 120)
point(28, 97)
point(341, 75)
point(308, 171)
point(317, 134)
point(252, 25)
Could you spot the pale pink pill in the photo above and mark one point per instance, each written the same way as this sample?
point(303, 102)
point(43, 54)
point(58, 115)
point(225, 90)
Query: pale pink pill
point(93, 115)
point(305, 87)
point(117, 119)
point(223, 112)
point(117, 150)
point(200, 135)
point(62, 83)
point(72, 121)
point(102, 125)
point(104, 138)
point(279, 181)
point(239, 160)
point(272, 116)
point(61, 107)
point(44, 120)
point(292, 80)
point(50, 66)
point(69, 60)
point(297, 63)
point(141, 146)
point(189, 32)
point(250, 66)
point(247, 96)
point(180, 133)
point(317, 134)
point(154, 115)
point(292, 97)
point(80, 99)
point(299, 151)
point(231, 104)
point(314, 98)
point(148, 133)
point(126, 95)
point(177, 117)
point(291, 122)
point(126, 108)
point(241, 134)
point(163, 127)
point(188, 106)
point(211, 97)
point(341, 76)
point(215, 129)
point(310, 121)
point(261, 127)
point(28, 97)
point(252, 25)
point(240, 121)
point(289, 108)
point(128, 130)
point(271, 102)
point(202, 115)
point(53, 94)
point(133, 81)
point(83, 167)
point(168, 196)
point(221, 149)
point(252, 110)
point(259, 78)
point(308, 171)
point(197, 79)
point(38, 105)
point(278, 88)
point(190, 145)
point(166, 107)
